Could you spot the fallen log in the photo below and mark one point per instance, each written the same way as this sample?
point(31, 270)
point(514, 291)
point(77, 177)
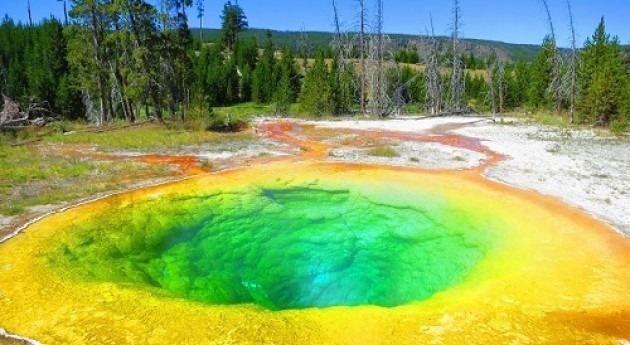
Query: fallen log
point(14, 122)
point(25, 142)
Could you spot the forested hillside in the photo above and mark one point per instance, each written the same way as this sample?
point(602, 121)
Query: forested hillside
point(316, 39)
point(131, 60)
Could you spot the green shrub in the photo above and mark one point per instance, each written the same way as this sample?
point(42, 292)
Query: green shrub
point(218, 122)
point(619, 127)
point(383, 151)
point(57, 126)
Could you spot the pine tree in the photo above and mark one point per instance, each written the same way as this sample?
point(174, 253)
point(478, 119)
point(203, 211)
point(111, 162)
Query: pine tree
point(234, 22)
point(316, 91)
point(342, 87)
point(263, 82)
point(512, 93)
point(33, 62)
point(541, 73)
point(69, 101)
point(521, 83)
point(602, 78)
point(245, 84)
point(475, 88)
point(288, 85)
point(247, 53)
point(231, 79)
point(214, 85)
point(246, 59)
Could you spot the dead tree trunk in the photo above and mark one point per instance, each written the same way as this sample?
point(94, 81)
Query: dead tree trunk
point(432, 74)
point(97, 32)
point(501, 87)
point(30, 17)
point(200, 10)
point(120, 79)
point(362, 22)
point(491, 96)
point(380, 92)
point(572, 68)
point(13, 117)
point(153, 88)
point(303, 47)
point(457, 80)
point(65, 12)
point(11, 113)
point(338, 41)
point(555, 88)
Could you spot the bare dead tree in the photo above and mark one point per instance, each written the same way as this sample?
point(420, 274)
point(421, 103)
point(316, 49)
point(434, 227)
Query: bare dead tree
point(96, 28)
point(457, 80)
point(11, 112)
point(432, 73)
point(119, 79)
point(496, 88)
point(381, 100)
point(13, 117)
point(200, 10)
point(28, 9)
point(399, 88)
point(303, 47)
point(344, 85)
point(338, 44)
point(362, 46)
point(91, 114)
point(337, 21)
point(491, 96)
point(555, 87)
point(572, 73)
point(502, 87)
point(65, 11)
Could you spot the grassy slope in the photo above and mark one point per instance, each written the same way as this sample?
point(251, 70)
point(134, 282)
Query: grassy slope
point(39, 173)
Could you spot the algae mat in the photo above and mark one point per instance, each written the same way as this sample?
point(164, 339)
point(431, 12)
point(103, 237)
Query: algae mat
point(317, 253)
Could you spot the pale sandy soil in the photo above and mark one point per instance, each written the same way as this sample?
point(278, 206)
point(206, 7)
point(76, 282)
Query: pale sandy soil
point(577, 166)
point(414, 154)
point(587, 171)
point(262, 147)
point(412, 124)
point(229, 150)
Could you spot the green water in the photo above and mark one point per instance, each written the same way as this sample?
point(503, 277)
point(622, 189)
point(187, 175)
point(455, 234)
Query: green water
point(283, 248)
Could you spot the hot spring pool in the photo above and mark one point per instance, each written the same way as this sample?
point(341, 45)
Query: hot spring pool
point(318, 253)
point(280, 245)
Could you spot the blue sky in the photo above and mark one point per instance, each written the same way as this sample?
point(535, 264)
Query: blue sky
point(508, 21)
